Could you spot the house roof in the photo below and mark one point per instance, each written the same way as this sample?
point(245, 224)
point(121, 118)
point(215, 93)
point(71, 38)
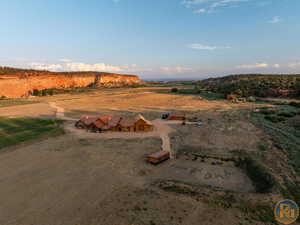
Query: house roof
point(108, 121)
point(99, 124)
point(127, 123)
point(105, 119)
point(140, 117)
point(176, 115)
point(114, 121)
point(88, 119)
point(159, 154)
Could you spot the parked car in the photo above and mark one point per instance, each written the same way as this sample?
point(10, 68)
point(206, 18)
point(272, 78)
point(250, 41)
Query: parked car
point(165, 116)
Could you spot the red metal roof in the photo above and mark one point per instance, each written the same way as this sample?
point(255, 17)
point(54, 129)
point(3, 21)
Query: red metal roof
point(88, 119)
point(160, 154)
point(127, 123)
point(114, 121)
point(105, 118)
point(108, 121)
point(99, 124)
point(177, 115)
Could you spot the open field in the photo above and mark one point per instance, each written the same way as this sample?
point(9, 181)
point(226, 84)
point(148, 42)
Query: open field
point(82, 179)
point(17, 130)
point(9, 102)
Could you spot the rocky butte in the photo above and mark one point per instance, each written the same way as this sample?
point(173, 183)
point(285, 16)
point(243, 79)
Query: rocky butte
point(18, 83)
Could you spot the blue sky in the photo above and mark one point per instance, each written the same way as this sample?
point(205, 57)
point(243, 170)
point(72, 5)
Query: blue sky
point(152, 38)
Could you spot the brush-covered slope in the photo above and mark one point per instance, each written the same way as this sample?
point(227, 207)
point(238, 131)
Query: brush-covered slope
point(255, 85)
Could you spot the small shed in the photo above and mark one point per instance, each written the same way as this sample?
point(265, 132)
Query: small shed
point(231, 97)
point(176, 117)
point(158, 157)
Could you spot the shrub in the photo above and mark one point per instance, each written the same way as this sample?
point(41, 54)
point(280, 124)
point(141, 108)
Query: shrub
point(274, 118)
point(295, 104)
point(262, 180)
point(287, 114)
point(174, 90)
point(35, 92)
point(267, 111)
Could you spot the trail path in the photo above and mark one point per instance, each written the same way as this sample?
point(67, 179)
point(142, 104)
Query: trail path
point(161, 129)
point(60, 112)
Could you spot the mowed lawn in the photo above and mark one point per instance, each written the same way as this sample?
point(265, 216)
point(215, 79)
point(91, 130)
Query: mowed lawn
point(17, 130)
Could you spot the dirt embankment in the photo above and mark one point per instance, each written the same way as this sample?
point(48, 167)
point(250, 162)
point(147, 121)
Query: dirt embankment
point(22, 85)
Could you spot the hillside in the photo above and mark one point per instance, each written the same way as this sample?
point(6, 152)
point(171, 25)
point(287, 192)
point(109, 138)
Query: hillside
point(260, 85)
point(17, 83)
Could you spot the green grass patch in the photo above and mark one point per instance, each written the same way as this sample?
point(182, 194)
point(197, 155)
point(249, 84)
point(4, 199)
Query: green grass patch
point(18, 101)
point(16, 130)
point(284, 135)
point(208, 95)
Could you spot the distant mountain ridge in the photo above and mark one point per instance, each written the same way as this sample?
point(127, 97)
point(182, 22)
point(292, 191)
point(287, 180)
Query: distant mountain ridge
point(17, 83)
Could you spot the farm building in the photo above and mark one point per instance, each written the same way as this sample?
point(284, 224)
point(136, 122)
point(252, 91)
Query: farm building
point(86, 121)
point(104, 123)
point(231, 97)
point(114, 123)
point(176, 117)
point(158, 157)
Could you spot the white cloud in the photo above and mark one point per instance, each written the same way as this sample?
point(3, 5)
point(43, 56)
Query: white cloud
point(200, 11)
point(198, 46)
point(209, 6)
point(65, 60)
point(253, 66)
point(44, 66)
point(276, 66)
point(275, 19)
point(77, 66)
point(69, 65)
point(294, 65)
point(224, 3)
point(176, 69)
point(189, 3)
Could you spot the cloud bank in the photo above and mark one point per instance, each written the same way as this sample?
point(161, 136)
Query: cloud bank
point(275, 19)
point(210, 6)
point(197, 46)
point(69, 65)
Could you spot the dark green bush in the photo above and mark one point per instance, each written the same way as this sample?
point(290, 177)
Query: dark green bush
point(262, 180)
point(174, 90)
point(295, 104)
point(274, 118)
point(287, 114)
point(267, 111)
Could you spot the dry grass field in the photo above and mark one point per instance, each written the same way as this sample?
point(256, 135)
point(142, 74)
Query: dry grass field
point(77, 180)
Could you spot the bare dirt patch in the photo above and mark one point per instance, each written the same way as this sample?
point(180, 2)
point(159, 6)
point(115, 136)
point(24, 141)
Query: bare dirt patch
point(220, 177)
point(40, 110)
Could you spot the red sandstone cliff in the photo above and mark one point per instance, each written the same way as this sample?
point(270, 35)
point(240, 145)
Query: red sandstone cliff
point(22, 84)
